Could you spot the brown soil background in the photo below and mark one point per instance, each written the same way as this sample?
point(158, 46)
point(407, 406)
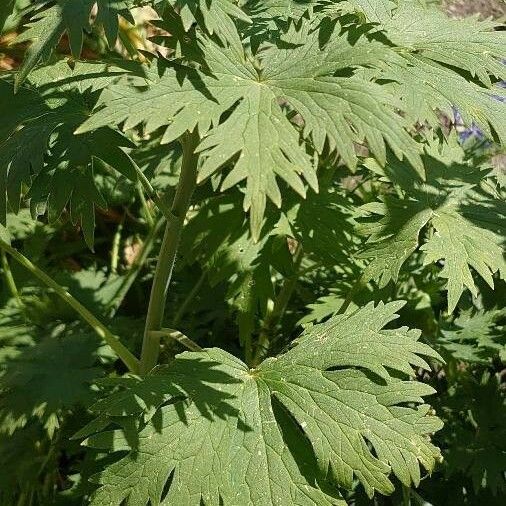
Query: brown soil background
point(484, 8)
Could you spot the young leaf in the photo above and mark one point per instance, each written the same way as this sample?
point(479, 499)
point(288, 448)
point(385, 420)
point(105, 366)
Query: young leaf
point(228, 438)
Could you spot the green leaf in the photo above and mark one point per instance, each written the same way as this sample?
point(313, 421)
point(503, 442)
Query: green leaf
point(323, 224)
point(54, 164)
point(476, 337)
point(68, 16)
point(233, 435)
point(256, 138)
point(472, 246)
point(374, 11)
point(466, 44)
point(15, 332)
point(6, 10)
point(215, 17)
point(475, 412)
point(427, 88)
point(42, 380)
point(466, 223)
point(396, 239)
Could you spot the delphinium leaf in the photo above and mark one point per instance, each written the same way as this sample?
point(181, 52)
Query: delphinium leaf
point(54, 164)
point(468, 44)
point(431, 47)
point(50, 22)
point(41, 380)
point(464, 234)
point(229, 434)
point(257, 139)
point(5, 11)
point(476, 337)
point(474, 412)
point(323, 224)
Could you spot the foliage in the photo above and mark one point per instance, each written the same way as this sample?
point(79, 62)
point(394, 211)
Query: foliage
point(320, 169)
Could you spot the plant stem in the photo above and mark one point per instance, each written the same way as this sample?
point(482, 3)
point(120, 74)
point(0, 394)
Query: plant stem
point(360, 184)
point(148, 188)
point(9, 279)
point(245, 318)
point(177, 336)
point(349, 298)
point(280, 305)
point(136, 267)
point(168, 251)
point(115, 248)
point(406, 496)
point(144, 204)
point(189, 299)
point(123, 353)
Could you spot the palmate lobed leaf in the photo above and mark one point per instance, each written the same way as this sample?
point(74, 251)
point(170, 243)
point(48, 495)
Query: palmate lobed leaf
point(467, 223)
point(257, 137)
point(54, 164)
point(50, 22)
point(72, 17)
point(467, 44)
point(256, 140)
point(476, 337)
point(216, 429)
point(42, 380)
point(475, 422)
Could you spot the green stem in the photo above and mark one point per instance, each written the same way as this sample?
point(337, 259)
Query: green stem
point(123, 353)
point(9, 280)
point(177, 336)
point(115, 248)
point(406, 496)
point(245, 317)
point(349, 298)
point(168, 251)
point(136, 267)
point(148, 188)
point(189, 299)
point(144, 204)
point(280, 305)
point(360, 184)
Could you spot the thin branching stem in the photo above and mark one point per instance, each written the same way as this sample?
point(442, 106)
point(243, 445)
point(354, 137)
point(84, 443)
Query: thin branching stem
point(183, 308)
point(178, 336)
point(9, 279)
point(168, 251)
point(145, 207)
point(123, 353)
point(116, 242)
point(136, 267)
point(279, 308)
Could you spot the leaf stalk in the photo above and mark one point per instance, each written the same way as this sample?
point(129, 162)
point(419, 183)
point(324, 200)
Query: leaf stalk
point(120, 349)
point(280, 305)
